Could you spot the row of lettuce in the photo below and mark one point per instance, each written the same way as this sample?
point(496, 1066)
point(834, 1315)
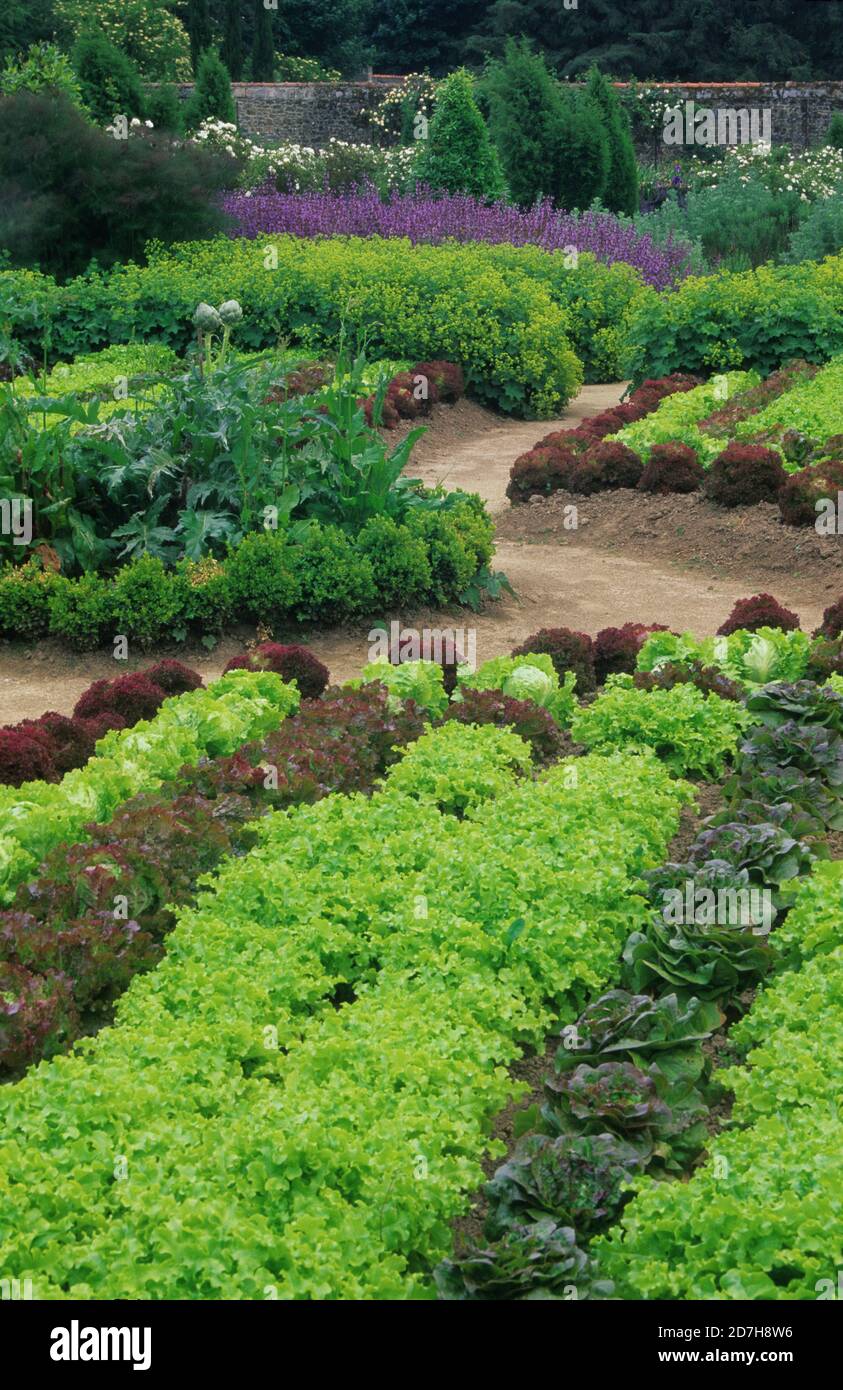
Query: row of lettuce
point(527, 325)
point(684, 701)
point(350, 944)
point(629, 1105)
point(737, 438)
point(290, 1105)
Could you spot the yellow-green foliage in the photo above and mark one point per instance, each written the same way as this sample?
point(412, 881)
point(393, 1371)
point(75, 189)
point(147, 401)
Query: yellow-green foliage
point(411, 302)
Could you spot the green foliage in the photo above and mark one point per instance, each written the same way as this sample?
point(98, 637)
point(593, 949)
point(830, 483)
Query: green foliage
point(400, 566)
point(263, 44)
point(44, 68)
point(80, 611)
point(757, 319)
point(459, 765)
point(216, 721)
point(260, 578)
point(526, 111)
point(211, 97)
point(233, 52)
point(422, 681)
point(692, 1240)
point(834, 134)
point(820, 232)
point(751, 658)
point(458, 156)
point(529, 677)
point(164, 107)
point(676, 417)
point(740, 223)
point(812, 407)
point(621, 191)
point(582, 152)
point(199, 31)
point(467, 304)
point(692, 732)
point(303, 1125)
point(145, 30)
point(70, 193)
point(333, 579)
point(110, 82)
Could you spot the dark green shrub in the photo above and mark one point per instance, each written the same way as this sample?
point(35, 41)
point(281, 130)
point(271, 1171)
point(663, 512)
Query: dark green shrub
point(458, 156)
point(621, 191)
point(233, 53)
point(453, 563)
point(81, 611)
point(334, 581)
point(263, 45)
point(583, 153)
point(742, 224)
point(211, 97)
point(110, 82)
point(206, 598)
point(146, 601)
point(834, 135)
point(261, 582)
point(164, 107)
point(400, 566)
point(69, 192)
point(820, 233)
point(525, 117)
point(25, 601)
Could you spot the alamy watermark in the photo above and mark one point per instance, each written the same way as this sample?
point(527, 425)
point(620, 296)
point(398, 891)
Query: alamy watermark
point(448, 646)
point(700, 125)
point(16, 519)
point(690, 905)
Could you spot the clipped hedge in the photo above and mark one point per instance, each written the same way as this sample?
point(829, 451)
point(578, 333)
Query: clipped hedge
point(323, 576)
point(309, 1150)
point(456, 302)
point(755, 319)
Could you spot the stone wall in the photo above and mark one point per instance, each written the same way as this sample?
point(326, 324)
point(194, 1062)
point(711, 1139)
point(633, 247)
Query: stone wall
point(799, 111)
point(310, 113)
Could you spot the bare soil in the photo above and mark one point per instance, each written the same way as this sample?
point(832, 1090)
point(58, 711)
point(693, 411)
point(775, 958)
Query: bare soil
point(678, 561)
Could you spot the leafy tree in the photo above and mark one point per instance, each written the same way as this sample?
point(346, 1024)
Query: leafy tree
point(263, 46)
point(686, 40)
point(145, 30)
point(211, 97)
point(621, 192)
point(233, 53)
point(43, 68)
point(199, 30)
point(458, 156)
point(406, 34)
point(24, 22)
point(109, 80)
point(526, 117)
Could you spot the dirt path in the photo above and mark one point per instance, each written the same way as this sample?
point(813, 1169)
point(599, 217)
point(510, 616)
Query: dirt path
point(564, 582)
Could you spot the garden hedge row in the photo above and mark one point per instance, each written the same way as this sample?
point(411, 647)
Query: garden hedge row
point(322, 576)
point(469, 303)
point(755, 319)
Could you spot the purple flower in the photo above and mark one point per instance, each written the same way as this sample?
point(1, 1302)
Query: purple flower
point(422, 218)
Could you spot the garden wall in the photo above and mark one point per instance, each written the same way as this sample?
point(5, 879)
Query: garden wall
point(310, 113)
